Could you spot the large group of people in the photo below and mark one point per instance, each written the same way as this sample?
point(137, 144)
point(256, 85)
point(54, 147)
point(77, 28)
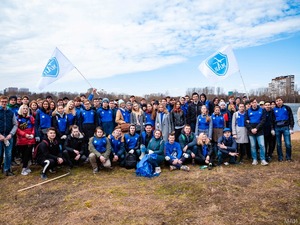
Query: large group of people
point(108, 132)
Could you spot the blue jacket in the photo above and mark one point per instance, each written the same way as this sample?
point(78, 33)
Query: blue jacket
point(230, 143)
point(117, 145)
point(174, 150)
point(255, 118)
point(100, 144)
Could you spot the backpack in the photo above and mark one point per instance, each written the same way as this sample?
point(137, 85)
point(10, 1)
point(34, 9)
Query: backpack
point(130, 161)
point(34, 154)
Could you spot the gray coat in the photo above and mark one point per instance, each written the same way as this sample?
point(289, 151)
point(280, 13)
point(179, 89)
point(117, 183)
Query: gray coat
point(164, 125)
point(141, 118)
point(240, 132)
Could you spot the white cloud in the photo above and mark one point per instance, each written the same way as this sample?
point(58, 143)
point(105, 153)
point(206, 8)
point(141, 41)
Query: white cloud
point(105, 38)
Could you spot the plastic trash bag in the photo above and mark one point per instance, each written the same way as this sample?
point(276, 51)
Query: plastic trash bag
point(144, 168)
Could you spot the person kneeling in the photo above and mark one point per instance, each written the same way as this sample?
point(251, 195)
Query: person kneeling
point(203, 156)
point(48, 153)
point(100, 149)
point(74, 147)
point(174, 156)
point(227, 148)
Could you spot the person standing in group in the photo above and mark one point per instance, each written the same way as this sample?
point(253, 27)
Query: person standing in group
point(283, 124)
point(204, 123)
point(150, 114)
point(163, 121)
point(298, 116)
point(43, 121)
point(254, 120)
point(60, 123)
point(88, 122)
point(70, 111)
point(8, 128)
point(106, 117)
point(218, 124)
point(123, 116)
point(177, 119)
point(137, 117)
point(270, 140)
point(194, 109)
point(25, 136)
point(239, 130)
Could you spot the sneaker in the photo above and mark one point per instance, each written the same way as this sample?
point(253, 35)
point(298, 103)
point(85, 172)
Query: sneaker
point(210, 166)
point(172, 168)
point(9, 173)
point(52, 171)
point(96, 170)
point(44, 176)
point(264, 163)
point(28, 170)
point(24, 172)
point(226, 163)
point(254, 163)
point(157, 169)
point(185, 168)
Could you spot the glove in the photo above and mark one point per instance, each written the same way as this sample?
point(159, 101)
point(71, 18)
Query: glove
point(7, 143)
point(185, 155)
point(291, 131)
point(63, 137)
point(131, 151)
point(37, 139)
point(167, 158)
point(150, 152)
point(273, 132)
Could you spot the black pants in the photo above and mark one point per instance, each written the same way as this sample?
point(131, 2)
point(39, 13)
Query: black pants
point(26, 153)
point(270, 143)
point(70, 158)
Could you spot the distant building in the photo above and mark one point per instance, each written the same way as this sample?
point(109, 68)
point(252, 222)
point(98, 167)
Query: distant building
point(282, 86)
point(11, 89)
point(24, 90)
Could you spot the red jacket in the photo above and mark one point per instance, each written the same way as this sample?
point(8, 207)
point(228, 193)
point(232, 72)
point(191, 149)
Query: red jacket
point(25, 126)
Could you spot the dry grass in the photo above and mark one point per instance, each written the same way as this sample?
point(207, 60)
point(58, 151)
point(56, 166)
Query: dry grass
point(226, 195)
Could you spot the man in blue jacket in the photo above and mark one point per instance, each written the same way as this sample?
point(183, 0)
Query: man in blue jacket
point(8, 128)
point(255, 118)
point(227, 147)
point(283, 123)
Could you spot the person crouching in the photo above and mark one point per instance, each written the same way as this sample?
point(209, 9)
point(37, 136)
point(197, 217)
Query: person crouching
point(100, 149)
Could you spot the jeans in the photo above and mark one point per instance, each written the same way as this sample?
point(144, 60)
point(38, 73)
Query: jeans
point(8, 153)
point(261, 143)
point(285, 131)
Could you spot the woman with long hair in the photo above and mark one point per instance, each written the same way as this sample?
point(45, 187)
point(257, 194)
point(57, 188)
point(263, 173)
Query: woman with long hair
point(204, 123)
point(178, 119)
point(150, 114)
point(25, 136)
point(137, 117)
point(204, 151)
point(43, 121)
point(163, 121)
point(70, 111)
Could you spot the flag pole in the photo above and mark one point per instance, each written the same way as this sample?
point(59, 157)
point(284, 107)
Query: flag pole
point(244, 84)
point(85, 79)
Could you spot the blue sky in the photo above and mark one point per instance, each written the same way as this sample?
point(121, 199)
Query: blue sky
point(141, 47)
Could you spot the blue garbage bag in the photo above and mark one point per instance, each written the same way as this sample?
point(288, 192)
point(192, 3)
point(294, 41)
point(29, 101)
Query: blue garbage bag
point(144, 168)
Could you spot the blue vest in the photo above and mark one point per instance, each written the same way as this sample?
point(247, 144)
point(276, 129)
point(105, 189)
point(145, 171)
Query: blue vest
point(71, 119)
point(105, 115)
point(218, 121)
point(100, 144)
point(6, 124)
point(115, 144)
point(126, 115)
point(202, 124)
point(255, 115)
point(281, 114)
point(62, 123)
point(148, 119)
point(131, 141)
point(240, 119)
point(88, 116)
point(45, 119)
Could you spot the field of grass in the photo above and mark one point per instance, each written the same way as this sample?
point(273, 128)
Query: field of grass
point(235, 194)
